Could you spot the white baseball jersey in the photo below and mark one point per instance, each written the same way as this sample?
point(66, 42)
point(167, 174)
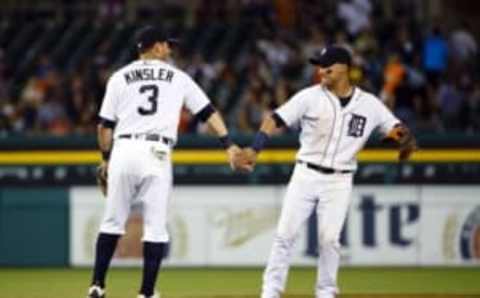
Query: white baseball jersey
point(332, 135)
point(146, 96)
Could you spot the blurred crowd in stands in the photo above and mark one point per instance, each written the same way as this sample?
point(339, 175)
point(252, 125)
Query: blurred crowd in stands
point(428, 74)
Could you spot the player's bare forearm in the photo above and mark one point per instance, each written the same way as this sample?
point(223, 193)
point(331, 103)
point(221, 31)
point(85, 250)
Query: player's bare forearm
point(268, 125)
point(216, 124)
point(105, 138)
point(266, 129)
point(105, 142)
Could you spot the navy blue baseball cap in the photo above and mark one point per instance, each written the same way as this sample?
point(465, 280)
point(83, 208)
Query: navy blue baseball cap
point(331, 55)
point(149, 35)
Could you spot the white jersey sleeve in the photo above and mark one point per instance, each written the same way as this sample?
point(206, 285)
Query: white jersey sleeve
point(195, 98)
point(293, 109)
point(387, 119)
point(107, 110)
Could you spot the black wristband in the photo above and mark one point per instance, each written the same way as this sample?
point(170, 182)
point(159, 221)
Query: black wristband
point(279, 122)
point(226, 141)
point(260, 140)
point(107, 123)
point(205, 113)
point(106, 155)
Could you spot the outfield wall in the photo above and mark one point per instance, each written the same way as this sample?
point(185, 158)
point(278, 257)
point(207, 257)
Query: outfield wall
point(421, 212)
point(234, 225)
point(34, 226)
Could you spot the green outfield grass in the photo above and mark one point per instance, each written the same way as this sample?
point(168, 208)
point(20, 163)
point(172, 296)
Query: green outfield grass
point(406, 282)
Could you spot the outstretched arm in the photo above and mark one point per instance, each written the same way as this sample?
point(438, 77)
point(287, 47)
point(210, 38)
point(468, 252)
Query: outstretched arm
point(268, 126)
point(396, 132)
point(403, 137)
point(217, 125)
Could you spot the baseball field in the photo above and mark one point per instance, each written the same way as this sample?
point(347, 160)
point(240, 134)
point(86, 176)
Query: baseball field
point(203, 283)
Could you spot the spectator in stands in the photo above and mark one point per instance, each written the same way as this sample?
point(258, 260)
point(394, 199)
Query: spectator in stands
point(111, 9)
point(201, 71)
point(33, 93)
point(258, 9)
point(101, 57)
point(252, 109)
point(293, 69)
point(415, 75)
point(405, 106)
point(449, 99)
point(435, 55)
point(317, 40)
point(470, 111)
point(227, 86)
point(341, 39)
point(417, 82)
point(464, 47)
point(355, 14)
point(365, 42)
point(358, 73)
point(427, 120)
point(282, 92)
point(406, 67)
point(404, 44)
point(80, 107)
point(210, 10)
point(3, 76)
point(372, 67)
point(394, 74)
point(257, 68)
point(6, 111)
point(52, 116)
point(276, 52)
point(44, 67)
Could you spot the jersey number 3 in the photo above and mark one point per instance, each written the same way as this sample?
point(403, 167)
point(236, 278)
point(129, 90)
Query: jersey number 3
point(152, 99)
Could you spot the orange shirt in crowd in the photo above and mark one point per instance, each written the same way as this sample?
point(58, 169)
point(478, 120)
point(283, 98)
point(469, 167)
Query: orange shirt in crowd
point(393, 75)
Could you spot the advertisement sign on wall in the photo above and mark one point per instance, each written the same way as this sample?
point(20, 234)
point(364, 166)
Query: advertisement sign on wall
point(451, 225)
point(208, 226)
point(235, 225)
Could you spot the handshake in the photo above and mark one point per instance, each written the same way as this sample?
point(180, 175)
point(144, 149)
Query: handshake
point(242, 160)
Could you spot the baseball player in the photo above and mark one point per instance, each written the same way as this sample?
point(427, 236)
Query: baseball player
point(138, 129)
point(336, 119)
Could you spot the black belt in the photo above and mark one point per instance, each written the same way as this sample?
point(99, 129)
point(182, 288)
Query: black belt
point(148, 137)
point(323, 170)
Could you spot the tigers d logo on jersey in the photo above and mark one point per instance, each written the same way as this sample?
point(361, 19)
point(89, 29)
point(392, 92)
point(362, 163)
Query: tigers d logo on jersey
point(356, 126)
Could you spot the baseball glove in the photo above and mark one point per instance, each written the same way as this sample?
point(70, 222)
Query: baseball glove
point(401, 135)
point(101, 176)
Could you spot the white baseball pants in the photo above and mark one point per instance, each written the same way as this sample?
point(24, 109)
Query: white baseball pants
point(308, 189)
point(139, 171)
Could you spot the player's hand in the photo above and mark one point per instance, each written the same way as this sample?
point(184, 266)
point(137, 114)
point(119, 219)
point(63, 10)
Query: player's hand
point(235, 157)
point(101, 175)
point(401, 135)
point(249, 159)
point(238, 161)
point(233, 152)
point(407, 149)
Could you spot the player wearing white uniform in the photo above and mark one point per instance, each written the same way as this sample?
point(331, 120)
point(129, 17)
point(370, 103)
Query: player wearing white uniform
point(139, 119)
point(336, 120)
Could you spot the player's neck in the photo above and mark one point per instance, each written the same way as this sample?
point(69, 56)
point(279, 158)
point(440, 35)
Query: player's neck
point(342, 89)
point(151, 56)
